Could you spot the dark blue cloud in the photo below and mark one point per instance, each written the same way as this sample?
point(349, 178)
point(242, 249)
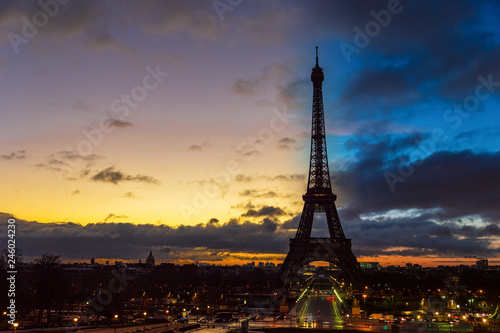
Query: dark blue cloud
point(459, 183)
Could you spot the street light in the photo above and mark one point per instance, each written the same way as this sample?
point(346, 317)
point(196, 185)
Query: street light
point(208, 314)
point(145, 313)
point(364, 303)
point(75, 320)
point(166, 322)
point(197, 308)
point(15, 327)
point(116, 321)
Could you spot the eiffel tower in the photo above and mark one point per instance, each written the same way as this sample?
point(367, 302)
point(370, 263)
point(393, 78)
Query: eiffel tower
point(319, 197)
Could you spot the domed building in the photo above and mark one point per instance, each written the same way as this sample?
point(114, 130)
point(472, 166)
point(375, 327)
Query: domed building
point(150, 261)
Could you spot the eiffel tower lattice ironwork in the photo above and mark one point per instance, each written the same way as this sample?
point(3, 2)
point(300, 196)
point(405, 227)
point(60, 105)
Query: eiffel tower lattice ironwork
point(319, 198)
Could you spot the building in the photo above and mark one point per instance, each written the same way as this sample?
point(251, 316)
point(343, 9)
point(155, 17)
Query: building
point(150, 261)
point(413, 267)
point(370, 265)
point(482, 263)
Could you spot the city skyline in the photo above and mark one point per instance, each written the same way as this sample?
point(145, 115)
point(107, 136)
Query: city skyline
point(184, 127)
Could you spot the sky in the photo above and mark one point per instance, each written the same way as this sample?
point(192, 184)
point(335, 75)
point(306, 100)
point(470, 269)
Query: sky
point(183, 127)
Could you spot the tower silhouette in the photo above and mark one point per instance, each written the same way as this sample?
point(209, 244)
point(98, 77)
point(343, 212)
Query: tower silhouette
point(319, 197)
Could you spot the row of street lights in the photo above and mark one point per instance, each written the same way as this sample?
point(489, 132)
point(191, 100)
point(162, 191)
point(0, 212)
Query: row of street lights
point(75, 320)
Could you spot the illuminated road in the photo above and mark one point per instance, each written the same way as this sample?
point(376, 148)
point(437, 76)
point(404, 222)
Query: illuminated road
point(319, 307)
point(317, 311)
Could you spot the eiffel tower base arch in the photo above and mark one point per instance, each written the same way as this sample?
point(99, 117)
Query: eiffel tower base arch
point(337, 252)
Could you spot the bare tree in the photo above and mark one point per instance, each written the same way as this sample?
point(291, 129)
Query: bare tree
point(5, 256)
point(48, 278)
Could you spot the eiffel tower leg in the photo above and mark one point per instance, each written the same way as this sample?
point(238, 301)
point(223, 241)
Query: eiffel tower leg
point(350, 266)
point(285, 272)
point(333, 220)
point(306, 221)
point(288, 272)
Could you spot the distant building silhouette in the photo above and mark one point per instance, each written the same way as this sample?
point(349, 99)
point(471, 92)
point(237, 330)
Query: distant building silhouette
point(413, 267)
point(92, 261)
point(482, 263)
point(370, 266)
point(150, 261)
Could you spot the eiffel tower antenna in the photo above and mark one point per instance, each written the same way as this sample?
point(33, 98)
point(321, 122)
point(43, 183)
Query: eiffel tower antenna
point(319, 197)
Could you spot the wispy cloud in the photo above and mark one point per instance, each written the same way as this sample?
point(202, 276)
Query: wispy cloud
point(118, 123)
point(258, 194)
point(67, 162)
point(115, 217)
point(110, 175)
point(15, 155)
point(130, 195)
point(268, 211)
point(289, 88)
point(284, 178)
point(195, 148)
point(286, 143)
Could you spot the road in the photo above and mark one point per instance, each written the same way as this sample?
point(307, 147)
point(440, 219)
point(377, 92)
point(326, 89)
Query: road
point(157, 328)
point(415, 326)
point(149, 328)
point(332, 321)
point(319, 307)
point(319, 311)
